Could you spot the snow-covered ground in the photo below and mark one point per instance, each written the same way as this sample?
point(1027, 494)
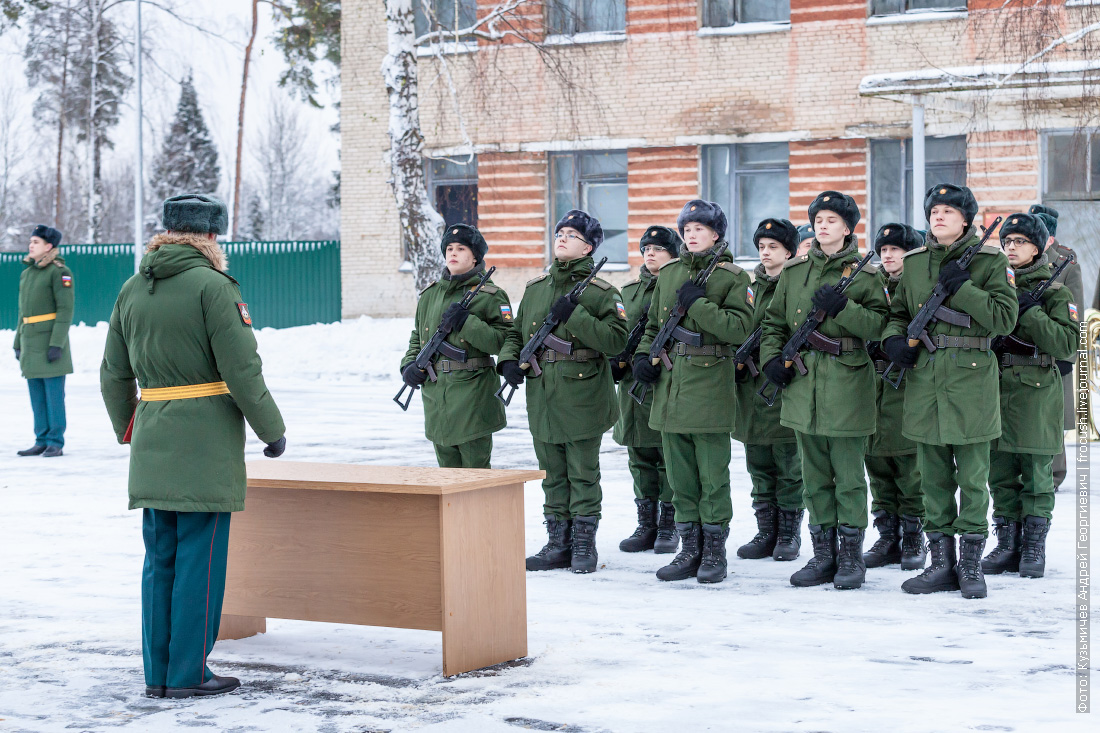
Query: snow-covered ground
point(612, 651)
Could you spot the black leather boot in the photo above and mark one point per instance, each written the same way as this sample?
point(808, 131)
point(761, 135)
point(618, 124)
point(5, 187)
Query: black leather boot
point(53, 451)
point(940, 574)
point(646, 533)
point(686, 563)
point(887, 548)
point(584, 545)
point(971, 578)
point(1005, 557)
point(822, 566)
point(767, 529)
point(850, 568)
point(214, 686)
point(712, 564)
point(788, 541)
point(35, 450)
point(914, 551)
point(667, 540)
point(558, 550)
point(1033, 559)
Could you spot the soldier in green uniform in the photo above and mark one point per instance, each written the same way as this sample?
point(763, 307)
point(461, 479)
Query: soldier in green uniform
point(42, 338)
point(825, 407)
point(693, 402)
point(805, 239)
point(656, 528)
point(896, 502)
point(949, 407)
point(572, 404)
point(771, 450)
point(181, 332)
point(460, 412)
point(1021, 479)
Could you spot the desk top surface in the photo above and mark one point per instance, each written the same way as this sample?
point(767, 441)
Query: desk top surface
point(380, 479)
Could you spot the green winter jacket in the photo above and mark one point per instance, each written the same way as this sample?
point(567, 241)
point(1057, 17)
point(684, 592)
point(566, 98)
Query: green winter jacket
point(832, 399)
point(755, 422)
point(697, 396)
point(461, 406)
point(571, 400)
point(888, 440)
point(1031, 396)
point(949, 395)
point(182, 322)
point(44, 287)
point(633, 429)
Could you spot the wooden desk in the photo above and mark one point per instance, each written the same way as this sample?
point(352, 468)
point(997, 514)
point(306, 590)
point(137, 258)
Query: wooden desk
point(416, 548)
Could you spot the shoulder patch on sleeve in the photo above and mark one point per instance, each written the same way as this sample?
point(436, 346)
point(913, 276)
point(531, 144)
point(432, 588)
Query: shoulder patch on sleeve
point(912, 252)
point(621, 310)
point(732, 267)
point(246, 317)
point(1010, 274)
point(66, 281)
point(601, 284)
point(540, 278)
point(750, 296)
point(796, 261)
point(674, 259)
point(1073, 312)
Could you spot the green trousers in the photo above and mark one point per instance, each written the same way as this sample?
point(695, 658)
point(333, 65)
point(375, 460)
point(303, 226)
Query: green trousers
point(776, 473)
point(835, 487)
point(698, 466)
point(1022, 485)
point(945, 469)
point(474, 454)
point(572, 484)
point(182, 586)
point(647, 466)
point(895, 485)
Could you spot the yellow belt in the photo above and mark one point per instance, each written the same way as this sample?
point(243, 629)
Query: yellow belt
point(40, 319)
point(162, 394)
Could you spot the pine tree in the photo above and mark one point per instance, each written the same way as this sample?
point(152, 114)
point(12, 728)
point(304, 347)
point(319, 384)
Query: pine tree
point(255, 218)
point(188, 161)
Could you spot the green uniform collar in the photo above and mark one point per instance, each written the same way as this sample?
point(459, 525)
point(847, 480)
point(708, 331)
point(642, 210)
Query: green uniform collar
point(763, 276)
point(1036, 264)
point(699, 260)
point(54, 255)
point(564, 271)
point(646, 278)
point(849, 249)
point(453, 282)
point(961, 243)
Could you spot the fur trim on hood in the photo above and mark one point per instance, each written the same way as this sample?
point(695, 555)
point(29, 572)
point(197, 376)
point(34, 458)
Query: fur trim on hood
point(209, 247)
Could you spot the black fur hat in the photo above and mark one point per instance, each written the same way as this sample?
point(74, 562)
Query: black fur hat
point(198, 213)
point(898, 235)
point(588, 226)
point(781, 230)
point(957, 197)
point(806, 231)
point(466, 235)
point(50, 234)
point(1048, 214)
point(841, 204)
point(707, 213)
point(662, 237)
point(1029, 226)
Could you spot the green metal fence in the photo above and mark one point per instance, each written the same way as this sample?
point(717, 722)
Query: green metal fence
point(284, 283)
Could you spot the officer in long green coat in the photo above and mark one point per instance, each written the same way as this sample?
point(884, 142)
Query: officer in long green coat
point(950, 410)
point(896, 501)
point(572, 404)
point(693, 402)
point(656, 528)
point(42, 338)
point(181, 333)
point(828, 407)
point(460, 411)
point(1021, 478)
point(771, 450)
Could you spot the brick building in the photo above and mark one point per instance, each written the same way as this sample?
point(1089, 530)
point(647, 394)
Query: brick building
point(758, 105)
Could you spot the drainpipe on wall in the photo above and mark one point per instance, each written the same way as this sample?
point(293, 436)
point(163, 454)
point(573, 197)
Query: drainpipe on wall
point(918, 162)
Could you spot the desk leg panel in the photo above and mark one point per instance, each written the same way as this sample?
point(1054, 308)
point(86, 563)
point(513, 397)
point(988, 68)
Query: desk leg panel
point(241, 627)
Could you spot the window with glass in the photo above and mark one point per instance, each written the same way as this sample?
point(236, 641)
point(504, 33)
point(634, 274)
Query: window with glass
point(444, 15)
point(570, 17)
point(750, 182)
point(596, 183)
point(892, 174)
point(452, 186)
point(894, 7)
point(1071, 169)
point(723, 13)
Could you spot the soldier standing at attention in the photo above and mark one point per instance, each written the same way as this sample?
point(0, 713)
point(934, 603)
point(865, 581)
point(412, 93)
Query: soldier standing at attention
point(805, 239)
point(896, 502)
point(1021, 479)
point(949, 407)
point(771, 451)
point(693, 402)
point(653, 495)
point(42, 338)
point(181, 332)
point(572, 404)
point(460, 412)
point(824, 407)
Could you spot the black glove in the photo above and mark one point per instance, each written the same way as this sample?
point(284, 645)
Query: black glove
point(1065, 368)
point(777, 373)
point(17, 353)
point(53, 354)
point(688, 293)
point(741, 374)
point(952, 276)
point(453, 317)
point(413, 376)
point(512, 372)
point(900, 352)
point(1026, 300)
point(830, 300)
point(618, 372)
point(645, 372)
point(274, 450)
point(563, 308)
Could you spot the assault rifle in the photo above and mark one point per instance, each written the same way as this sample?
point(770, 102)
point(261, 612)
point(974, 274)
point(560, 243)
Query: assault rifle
point(1012, 344)
point(934, 310)
point(633, 338)
point(749, 351)
point(672, 330)
point(807, 334)
point(543, 338)
point(438, 345)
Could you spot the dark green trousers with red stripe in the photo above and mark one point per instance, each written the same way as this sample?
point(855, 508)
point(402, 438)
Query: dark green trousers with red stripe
point(182, 587)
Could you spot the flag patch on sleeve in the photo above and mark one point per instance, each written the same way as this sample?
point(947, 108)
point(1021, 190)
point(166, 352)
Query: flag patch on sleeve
point(621, 309)
point(506, 312)
point(887, 292)
point(751, 297)
point(1073, 311)
point(1011, 276)
point(66, 281)
point(246, 317)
